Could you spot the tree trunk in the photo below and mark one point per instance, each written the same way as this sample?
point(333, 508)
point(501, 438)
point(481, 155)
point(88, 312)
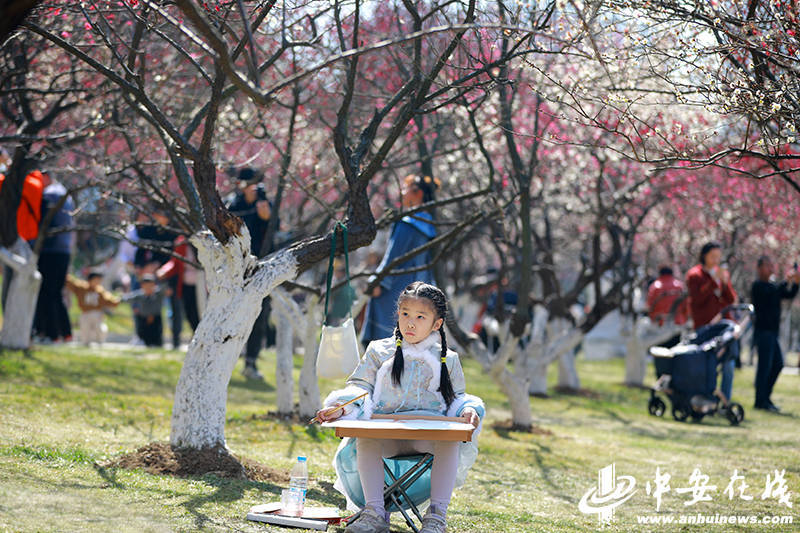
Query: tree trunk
point(566, 338)
point(237, 283)
point(284, 352)
point(561, 338)
point(635, 360)
point(517, 394)
point(307, 326)
point(309, 387)
point(22, 295)
point(643, 335)
point(568, 372)
point(537, 377)
point(513, 385)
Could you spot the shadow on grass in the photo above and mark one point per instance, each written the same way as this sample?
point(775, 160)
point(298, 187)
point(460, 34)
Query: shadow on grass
point(785, 415)
point(109, 475)
point(251, 385)
point(108, 376)
point(614, 415)
point(327, 494)
point(231, 490)
point(508, 431)
point(226, 491)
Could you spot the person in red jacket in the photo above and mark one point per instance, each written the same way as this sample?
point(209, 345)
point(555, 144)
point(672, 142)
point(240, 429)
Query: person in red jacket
point(666, 297)
point(186, 280)
point(709, 286)
point(710, 291)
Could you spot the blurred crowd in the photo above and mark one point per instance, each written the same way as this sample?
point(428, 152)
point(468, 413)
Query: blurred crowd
point(155, 271)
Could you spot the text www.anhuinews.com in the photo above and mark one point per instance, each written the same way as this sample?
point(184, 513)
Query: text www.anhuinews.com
point(714, 519)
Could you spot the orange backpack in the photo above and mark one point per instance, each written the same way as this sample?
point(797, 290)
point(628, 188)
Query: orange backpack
point(29, 213)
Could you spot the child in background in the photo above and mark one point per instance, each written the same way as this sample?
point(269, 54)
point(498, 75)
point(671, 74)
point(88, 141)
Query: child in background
point(411, 372)
point(93, 300)
point(146, 304)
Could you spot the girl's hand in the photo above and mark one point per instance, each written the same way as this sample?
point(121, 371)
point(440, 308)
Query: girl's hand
point(470, 416)
point(327, 415)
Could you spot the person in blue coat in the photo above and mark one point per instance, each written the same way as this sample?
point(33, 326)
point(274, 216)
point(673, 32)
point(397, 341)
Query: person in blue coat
point(410, 232)
point(51, 320)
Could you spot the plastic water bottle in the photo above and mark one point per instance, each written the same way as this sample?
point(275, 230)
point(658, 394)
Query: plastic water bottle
point(298, 484)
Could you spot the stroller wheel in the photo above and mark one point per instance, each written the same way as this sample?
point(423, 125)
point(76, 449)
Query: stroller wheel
point(680, 411)
point(735, 413)
point(656, 406)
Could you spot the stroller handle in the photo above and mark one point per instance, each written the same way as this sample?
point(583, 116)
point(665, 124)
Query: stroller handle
point(748, 312)
point(742, 322)
point(739, 307)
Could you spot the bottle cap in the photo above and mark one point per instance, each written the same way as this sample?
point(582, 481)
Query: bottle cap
point(301, 458)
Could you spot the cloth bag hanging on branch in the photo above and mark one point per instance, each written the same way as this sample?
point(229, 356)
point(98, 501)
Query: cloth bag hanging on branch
point(338, 353)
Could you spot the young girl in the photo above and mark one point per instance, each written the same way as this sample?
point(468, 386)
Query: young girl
point(411, 372)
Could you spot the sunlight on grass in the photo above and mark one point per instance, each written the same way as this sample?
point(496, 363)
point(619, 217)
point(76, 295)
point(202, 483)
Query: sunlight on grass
point(67, 408)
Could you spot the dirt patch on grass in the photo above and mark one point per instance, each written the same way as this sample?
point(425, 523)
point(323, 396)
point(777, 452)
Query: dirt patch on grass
point(507, 426)
point(161, 458)
point(583, 393)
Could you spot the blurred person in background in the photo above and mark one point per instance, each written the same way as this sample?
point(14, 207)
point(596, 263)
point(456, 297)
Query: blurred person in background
point(410, 232)
point(767, 296)
point(29, 212)
point(710, 291)
point(251, 205)
point(51, 320)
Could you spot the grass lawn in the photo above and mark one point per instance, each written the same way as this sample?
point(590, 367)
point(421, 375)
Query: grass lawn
point(66, 408)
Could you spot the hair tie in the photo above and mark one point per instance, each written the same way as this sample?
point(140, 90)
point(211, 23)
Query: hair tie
point(444, 358)
point(399, 342)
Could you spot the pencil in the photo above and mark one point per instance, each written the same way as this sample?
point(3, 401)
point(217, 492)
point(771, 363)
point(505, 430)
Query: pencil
point(337, 407)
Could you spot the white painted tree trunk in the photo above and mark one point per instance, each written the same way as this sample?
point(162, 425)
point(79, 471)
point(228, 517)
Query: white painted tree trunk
point(635, 359)
point(516, 391)
point(306, 326)
point(643, 334)
point(513, 384)
point(535, 365)
point(310, 401)
point(284, 353)
point(22, 295)
point(568, 372)
point(237, 283)
point(559, 340)
point(566, 337)
point(537, 377)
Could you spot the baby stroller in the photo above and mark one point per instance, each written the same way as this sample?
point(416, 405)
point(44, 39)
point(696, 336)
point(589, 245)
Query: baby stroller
point(687, 372)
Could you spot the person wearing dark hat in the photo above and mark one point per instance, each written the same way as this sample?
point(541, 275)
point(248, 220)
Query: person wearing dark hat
point(147, 303)
point(410, 232)
point(710, 291)
point(251, 205)
point(767, 296)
